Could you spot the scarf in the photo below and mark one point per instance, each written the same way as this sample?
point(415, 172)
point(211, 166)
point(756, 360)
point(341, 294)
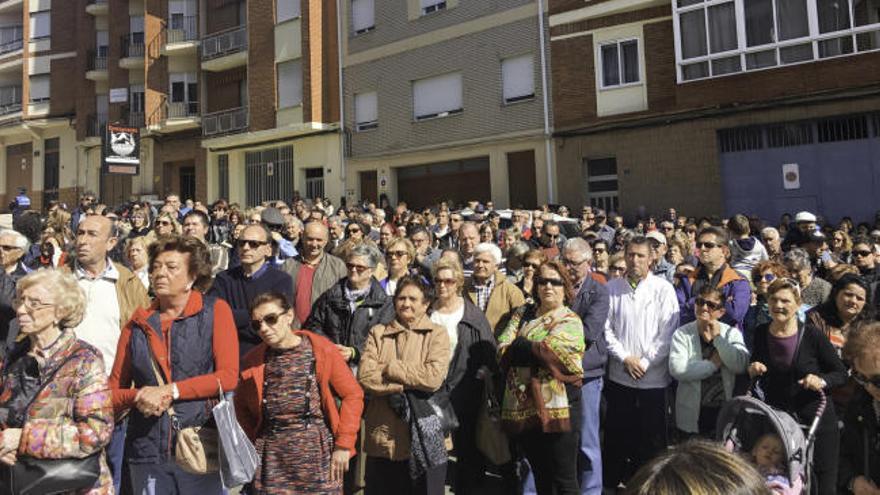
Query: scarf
point(355, 297)
point(427, 439)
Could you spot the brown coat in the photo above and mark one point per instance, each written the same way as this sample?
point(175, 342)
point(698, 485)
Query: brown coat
point(396, 358)
point(130, 293)
point(504, 299)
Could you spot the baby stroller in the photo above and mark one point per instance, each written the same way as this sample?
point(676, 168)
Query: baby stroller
point(744, 419)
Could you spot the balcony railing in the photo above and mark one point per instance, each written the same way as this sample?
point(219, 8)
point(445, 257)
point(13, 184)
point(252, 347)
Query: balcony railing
point(98, 60)
point(182, 109)
point(133, 45)
point(224, 43)
point(182, 28)
point(225, 121)
point(10, 99)
point(11, 39)
point(136, 119)
point(96, 125)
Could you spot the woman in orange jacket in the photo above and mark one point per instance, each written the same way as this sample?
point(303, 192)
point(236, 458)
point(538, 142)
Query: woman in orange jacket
point(285, 402)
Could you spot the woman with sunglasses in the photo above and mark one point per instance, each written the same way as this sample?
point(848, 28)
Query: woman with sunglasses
point(287, 401)
point(399, 256)
point(841, 246)
point(541, 354)
point(859, 471)
point(164, 226)
point(601, 257)
point(791, 364)
point(140, 222)
point(705, 356)
point(532, 260)
point(616, 266)
point(763, 274)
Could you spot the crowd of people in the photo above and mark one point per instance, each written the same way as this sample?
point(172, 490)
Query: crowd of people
point(387, 350)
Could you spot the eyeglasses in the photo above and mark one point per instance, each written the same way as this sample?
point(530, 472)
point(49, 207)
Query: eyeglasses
point(250, 243)
point(615, 269)
point(396, 254)
point(270, 319)
point(861, 253)
point(769, 277)
point(600, 250)
point(352, 231)
point(163, 223)
point(445, 281)
point(667, 229)
point(568, 262)
point(356, 268)
point(864, 380)
point(707, 245)
point(555, 282)
point(714, 306)
point(552, 236)
point(30, 304)
point(534, 266)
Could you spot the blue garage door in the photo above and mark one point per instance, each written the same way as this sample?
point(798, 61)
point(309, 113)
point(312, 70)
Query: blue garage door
point(838, 163)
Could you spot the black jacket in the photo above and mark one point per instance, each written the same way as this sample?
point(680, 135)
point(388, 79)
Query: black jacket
point(859, 448)
point(332, 318)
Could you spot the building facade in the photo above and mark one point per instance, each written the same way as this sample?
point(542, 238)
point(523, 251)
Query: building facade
point(718, 106)
point(445, 100)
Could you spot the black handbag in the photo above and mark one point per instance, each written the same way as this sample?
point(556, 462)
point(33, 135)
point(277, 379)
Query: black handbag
point(442, 406)
point(30, 475)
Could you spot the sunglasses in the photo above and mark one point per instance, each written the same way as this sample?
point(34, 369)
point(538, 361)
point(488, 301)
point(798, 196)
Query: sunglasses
point(532, 265)
point(864, 380)
point(396, 254)
point(356, 268)
point(861, 254)
point(707, 245)
point(555, 282)
point(714, 306)
point(568, 262)
point(270, 319)
point(163, 223)
point(617, 269)
point(353, 231)
point(250, 243)
point(600, 250)
point(769, 277)
point(445, 281)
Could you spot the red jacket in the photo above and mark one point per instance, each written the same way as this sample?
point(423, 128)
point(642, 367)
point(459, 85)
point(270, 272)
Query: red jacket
point(334, 379)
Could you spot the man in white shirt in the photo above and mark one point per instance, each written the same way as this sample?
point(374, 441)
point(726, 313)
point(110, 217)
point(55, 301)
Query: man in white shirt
point(643, 314)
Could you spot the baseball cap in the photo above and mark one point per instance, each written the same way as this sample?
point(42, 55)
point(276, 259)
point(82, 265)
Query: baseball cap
point(272, 216)
point(804, 216)
point(657, 236)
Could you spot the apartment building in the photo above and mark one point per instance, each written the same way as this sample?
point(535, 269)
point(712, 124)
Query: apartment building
point(718, 106)
point(445, 99)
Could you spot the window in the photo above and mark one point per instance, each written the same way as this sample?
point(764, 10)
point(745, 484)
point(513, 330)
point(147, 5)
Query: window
point(39, 88)
point(363, 16)
point(41, 24)
point(136, 98)
point(719, 37)
point(223, 176)
point(600, 178)
point(290, 83)
point(430, 6)
point(286, 10)
point(619, 62)
point(184, 94)
point(518, 78)
point(437, 96)
point(102, 43)
point(366, 111)
point(136, 28)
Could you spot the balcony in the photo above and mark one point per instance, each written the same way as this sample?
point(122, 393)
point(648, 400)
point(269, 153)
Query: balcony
point(96, 126)
point(225, 50)
point(225, 122)
point(97, 69)
point(174, 116)
point(10, 6)
point(136, 119)
point(10, 100)
point(11, 39)
point(181, 36)
point(97, 7)
point(132, 52)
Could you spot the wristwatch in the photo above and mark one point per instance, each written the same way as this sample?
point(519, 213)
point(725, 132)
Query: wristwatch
point(175, 394)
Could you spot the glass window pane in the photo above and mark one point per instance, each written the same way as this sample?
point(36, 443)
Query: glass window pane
point(630, 50)
point(685, 3)
point(722, 28)
point(760, 60)
point(727, 65)
point(693, 33)
point(695, 71)
point(837, 46)
point(791, 16)
point(759, 22)
point(866, 12)
point(796, 53)
point(610, 65)
point(868, 41)
point(833, 15)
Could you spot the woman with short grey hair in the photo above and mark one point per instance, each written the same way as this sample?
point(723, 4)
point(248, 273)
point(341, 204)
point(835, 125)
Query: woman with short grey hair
point(814, 290)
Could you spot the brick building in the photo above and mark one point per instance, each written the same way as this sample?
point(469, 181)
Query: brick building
point(718, 106)
point(444, 99)
point(236, 99)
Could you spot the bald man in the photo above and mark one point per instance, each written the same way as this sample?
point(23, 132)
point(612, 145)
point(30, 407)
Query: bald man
point(113, 293)
point(313, 271)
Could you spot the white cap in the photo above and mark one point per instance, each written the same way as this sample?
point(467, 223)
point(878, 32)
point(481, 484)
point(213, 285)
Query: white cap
point(804, 216)
point(657, 236)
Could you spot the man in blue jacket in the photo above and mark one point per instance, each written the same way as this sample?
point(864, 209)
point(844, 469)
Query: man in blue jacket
point(591, 304)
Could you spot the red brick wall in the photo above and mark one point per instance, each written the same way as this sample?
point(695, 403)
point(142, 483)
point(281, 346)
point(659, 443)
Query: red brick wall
point(261, 64)
point(574, 85)
point(223, 88)
point(156, 66)
point(172, 152)
point(117, 76)
point(221, 15)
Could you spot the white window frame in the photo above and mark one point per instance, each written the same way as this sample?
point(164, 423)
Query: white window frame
point(35, 33)
point(372, 9)
point(601, 66)
point(531, 77)
point(813, 39)
point(440, 113)
point(292, 10)
point(368, 124)
point(427, 7)
point(278, 71)
point(135, 104)
point(40, 79)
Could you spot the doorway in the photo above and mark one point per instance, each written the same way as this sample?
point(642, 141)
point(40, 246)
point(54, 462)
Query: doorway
point(369, 186)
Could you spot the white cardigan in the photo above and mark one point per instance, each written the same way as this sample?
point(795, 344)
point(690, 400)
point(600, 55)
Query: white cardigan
point(686, 364)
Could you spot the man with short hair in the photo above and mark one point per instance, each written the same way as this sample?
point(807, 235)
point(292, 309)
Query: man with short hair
point(660, 266)
point(256, 275)
point(591, 304)
point(337, 233)
point(86, 203)
point(805, 224)
point(551, 240)
point(451, 240)
point(113, 293)
point(489, 288)
point(714, 251)
point(643, 314)
point(13, 246)
point(313, 271)
point(468, 238)
point(773, 243)
point(601, 227)
point(195, 224)
point(172, 205)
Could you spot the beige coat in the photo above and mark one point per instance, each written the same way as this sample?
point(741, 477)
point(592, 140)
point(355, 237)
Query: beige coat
point(504, 299)
point(396, 358)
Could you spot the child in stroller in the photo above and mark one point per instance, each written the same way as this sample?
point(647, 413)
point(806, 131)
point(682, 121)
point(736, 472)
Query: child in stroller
point(768, 455)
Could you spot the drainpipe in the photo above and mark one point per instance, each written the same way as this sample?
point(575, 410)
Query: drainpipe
point(339, 26)
point(548, 152)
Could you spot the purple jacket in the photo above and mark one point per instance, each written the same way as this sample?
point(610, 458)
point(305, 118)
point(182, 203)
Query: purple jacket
point(737, 297)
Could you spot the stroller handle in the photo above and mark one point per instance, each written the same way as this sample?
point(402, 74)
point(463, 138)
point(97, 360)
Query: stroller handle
point(814, 424)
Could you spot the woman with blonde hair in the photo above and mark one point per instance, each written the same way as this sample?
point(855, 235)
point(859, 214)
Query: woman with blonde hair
point(138, 259)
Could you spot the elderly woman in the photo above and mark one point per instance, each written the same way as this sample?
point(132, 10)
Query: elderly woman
point(137, 258)
point(859, 451)
point(541, 352)
point(399, 256)
point(814, 290)
point(794, 362)
point(170, 360)
point(472, 347)
point(404, 363)
point(489, 289)
point(54, 400)
point(347, 311)
point(532, 260)
point(287, 402)
point(705, 356)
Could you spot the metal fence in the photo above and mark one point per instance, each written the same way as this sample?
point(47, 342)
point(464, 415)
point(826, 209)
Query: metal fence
point(269, 175)
point(11, 38)
point(182, 109)
point(182, 28)
point(224, 43)
point(225, 121)
point(133, 45)
point(10, 99)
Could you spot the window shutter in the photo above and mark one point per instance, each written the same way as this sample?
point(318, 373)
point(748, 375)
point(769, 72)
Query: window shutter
point(39, 87)
point(518, 78)
point(290, 83)
point(287, 9)
point(366, 109)
point(363, 15)
point(41, 24)
point(437, 95)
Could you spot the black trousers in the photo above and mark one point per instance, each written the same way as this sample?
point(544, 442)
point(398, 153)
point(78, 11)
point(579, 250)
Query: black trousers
point(470, 466)
point(553, 457)
point(635, 430)
point(387, 477)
